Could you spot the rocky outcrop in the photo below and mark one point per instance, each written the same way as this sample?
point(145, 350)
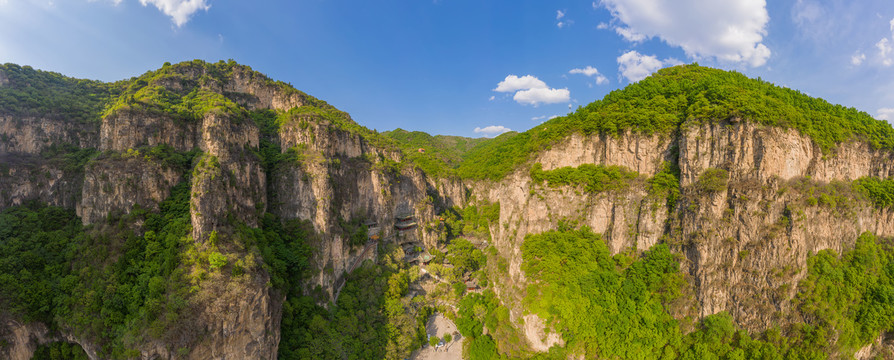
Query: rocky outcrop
point(228, 181)
point(338, 176)
point(22, 339)
point(26, 177)
point(130, 129)
point(265, 95)
point(114, 185)
point(239, 319)
point(745, 246)
point(751, 151)
point(32, 135)
point(641, 153)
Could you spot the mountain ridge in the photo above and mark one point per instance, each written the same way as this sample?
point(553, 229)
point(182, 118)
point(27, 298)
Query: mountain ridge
point(202, 210)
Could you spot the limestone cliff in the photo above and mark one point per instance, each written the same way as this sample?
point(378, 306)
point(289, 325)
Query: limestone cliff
point(334, 175)
point(744, 244)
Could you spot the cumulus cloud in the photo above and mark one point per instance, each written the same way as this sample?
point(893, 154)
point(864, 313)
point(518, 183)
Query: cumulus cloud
point(559, 14)
point(179, 10)
point(885, 114)
point(728, 30)
point(858, 59)
point(635, 66)
point(530, 90)
point(514, 83)
point(537, 96)
point(591, 72)
point(492, 130)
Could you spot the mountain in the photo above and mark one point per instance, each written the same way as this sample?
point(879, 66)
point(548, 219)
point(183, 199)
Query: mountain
point(203, 210)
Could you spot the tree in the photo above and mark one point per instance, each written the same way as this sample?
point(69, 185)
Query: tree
point(433, 341)
point(448, 338)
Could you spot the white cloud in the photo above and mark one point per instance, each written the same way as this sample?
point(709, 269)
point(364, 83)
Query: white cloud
point(179, 10)
point(537, 96)
point(559, 14)
point(514, 83)
point(884, 51)
point(885, 47)
point(602, 26)
point(591, 72)
point(885, 114)
point(635, 66)
point(858, 59)
point(729, 30)
point(530, 90)
point(492, 97)
point(630, 35)
point(492, 130)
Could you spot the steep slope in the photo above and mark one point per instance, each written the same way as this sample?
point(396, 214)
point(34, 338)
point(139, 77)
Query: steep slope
point(194, 156)
point(763, 178)
point(205, 211)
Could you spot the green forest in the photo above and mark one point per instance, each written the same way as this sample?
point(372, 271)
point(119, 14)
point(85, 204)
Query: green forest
point(617, 306)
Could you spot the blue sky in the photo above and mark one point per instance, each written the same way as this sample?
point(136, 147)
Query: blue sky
point(454, 66)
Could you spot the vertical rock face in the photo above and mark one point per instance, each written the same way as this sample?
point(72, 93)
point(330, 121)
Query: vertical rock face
point(26, 177)
point(341, 177)
point(245, 81)
point(22, 339)
point(238, 321)
point(117, 185)
point(229, 180)
point(130, 129)
point(745, 246)
point(750, 151)
point(640, 153)
point(32, 135)
point(237, 318)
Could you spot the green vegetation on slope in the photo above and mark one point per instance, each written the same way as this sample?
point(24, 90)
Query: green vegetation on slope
point(594, 178)
point(662, 102)
point(472, 220)
point(850, 298)
point(879, 191)
point(38, 93)
point(615, 307)
point(602, 307)
point(373, 319)
point(59, 351)
point(53, 271)
point(441, 154)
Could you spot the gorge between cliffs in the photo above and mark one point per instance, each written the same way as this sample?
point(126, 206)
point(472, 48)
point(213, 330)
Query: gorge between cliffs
point(206, 211)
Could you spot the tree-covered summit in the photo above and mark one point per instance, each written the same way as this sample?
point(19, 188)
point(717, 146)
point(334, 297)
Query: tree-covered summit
point(662, 102)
